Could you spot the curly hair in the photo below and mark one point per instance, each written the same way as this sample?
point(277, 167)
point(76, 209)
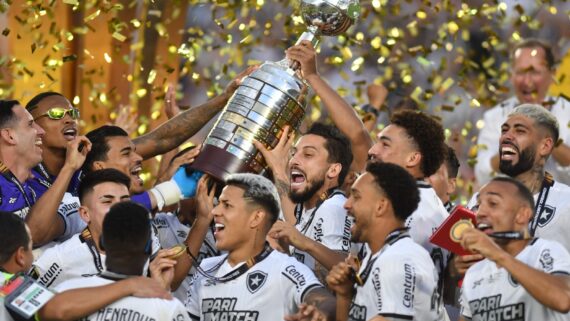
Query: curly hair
point(428, 136)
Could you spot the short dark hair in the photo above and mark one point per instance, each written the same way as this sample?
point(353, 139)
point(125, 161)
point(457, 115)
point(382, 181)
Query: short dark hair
point(99, 144)
point(126, 229)
point(338, 147)
point(523, 192)
point(7, 115)
point(451, 162)
point(258, 190)
point(94, 178)
point(398, 185)
point(428, 136)
point(33, 103)
point(536, 43)
point(13, 235)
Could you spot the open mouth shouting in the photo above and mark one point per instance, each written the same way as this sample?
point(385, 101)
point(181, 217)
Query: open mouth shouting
point(69, 133)
point(528, 94)
point(298, 179)
point(135, 172)
point(218, 228)
point(508, 152)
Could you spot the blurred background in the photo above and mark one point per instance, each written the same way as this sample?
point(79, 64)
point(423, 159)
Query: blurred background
point(113, 58)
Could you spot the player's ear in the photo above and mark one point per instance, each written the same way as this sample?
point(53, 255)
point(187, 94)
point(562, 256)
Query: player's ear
point(257, 218)
point(84, 214)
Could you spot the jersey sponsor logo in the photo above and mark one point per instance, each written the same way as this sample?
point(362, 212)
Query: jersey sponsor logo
point(490, 308)
point(546, 260)
point(357, 312)
point(295, 276)
point(255, 280)
point(377, 287)
point(346, 234)
point(23, 212)
point(122, 314)
point(318, 230)
point(299, 256)
point(409, 285)
point(69, 207)
point(546, 216)
point(51, 274)
point(222, 309)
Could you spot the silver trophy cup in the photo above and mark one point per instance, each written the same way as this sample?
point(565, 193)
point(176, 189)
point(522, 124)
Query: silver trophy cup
point(269, 99)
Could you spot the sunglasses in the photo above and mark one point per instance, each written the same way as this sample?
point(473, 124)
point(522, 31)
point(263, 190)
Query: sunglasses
point(59, 112)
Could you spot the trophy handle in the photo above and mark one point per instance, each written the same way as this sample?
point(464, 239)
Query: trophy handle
point(311, 35)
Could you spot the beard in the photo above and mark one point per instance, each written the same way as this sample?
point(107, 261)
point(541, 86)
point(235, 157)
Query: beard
point(309, 191)
point(525, 163)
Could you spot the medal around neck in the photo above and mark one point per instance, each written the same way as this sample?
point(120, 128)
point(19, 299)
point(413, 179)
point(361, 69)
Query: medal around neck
point(269, 99)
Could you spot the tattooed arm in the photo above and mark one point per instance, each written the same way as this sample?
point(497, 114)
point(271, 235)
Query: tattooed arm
point(184, 125)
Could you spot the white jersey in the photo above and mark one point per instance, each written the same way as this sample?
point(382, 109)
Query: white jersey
point(172, 232)
point(327, 224)
point(490, 134)
point(554, 220)
point(129, 308)
point(491, 293)
point(74, 258)
point(269, 290)
point(423, 222)
point(400, 281)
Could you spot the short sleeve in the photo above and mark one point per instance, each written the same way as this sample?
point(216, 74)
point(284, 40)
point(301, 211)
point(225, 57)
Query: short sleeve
point(465, 309)
point(398, 282)
point(193, 300)
point(47, 268)
point(298, 280)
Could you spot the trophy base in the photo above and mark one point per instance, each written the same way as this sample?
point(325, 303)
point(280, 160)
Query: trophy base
point(219, 163)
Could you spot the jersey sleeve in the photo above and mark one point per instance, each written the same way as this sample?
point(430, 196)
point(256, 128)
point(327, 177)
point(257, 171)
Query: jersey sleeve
point(465, 309)
point(397, 283)
point(334, 225)
point(193, 298)
point(47, 268)
point(143, 199)
point(69, 212)
point(296, 281)
point(554, 259)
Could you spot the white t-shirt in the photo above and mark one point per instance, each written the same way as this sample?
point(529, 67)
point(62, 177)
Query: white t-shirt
point(490, 135)
point(400, 281)
point(72, 259)
point(491, 293)
point(271, 289)
point(329, 225)
point(429, 215)
point(555, 219)
point(170, 233)
point(129, 308)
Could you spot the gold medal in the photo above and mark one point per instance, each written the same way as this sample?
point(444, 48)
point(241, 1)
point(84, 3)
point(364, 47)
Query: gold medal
point(458, 228)
point(180, 248)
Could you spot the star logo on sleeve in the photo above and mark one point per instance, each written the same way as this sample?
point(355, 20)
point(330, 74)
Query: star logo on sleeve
point(255, 280)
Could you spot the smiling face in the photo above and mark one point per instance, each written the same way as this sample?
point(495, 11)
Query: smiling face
point(232, 218)
point(499, 208)
point(518, 145)
point(27, 136)
point(361, 205)
point(308, 168)
point(531, 76)
point(58, 131)
point(393, 146)
point(97, 203)
point(123, 157)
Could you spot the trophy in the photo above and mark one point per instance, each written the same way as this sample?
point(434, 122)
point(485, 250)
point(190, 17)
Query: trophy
point(269, 99)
